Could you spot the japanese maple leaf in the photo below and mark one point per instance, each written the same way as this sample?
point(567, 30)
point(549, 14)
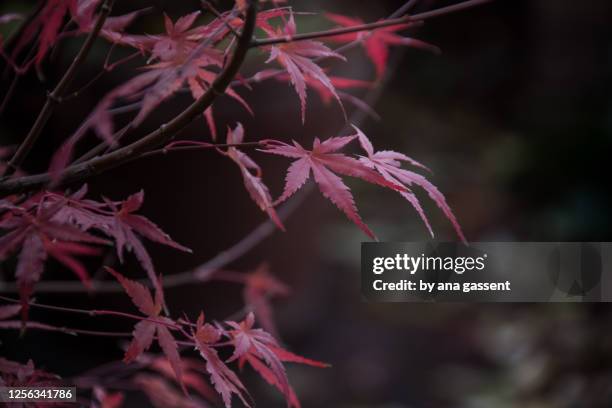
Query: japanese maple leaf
point(179, 58)
point(225, 381)
point(182, 59)
point(47, 25)
point(155, 325)
point(112, 30)
point(297, 59)
point(388, 164)
point(326, 95)
point(79, 211)
point(260, 287)
point(378, 41)
point(115, 220)
point(324, 161)
point(125, 226)
point(39, 238)
point(251, 174)
point(262, 352)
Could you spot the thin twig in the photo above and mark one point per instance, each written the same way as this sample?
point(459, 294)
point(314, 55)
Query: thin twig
point(92, 312)
point(370, 26)
point(409, 5)
point(213, 9)
point(55, 96)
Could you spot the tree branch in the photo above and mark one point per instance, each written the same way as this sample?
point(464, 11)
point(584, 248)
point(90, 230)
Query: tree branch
point(56, 95)
point(156, 138)
point(370, 26)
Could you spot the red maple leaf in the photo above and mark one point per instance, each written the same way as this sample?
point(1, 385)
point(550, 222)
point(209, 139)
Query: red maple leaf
point(323, 161)
point(378, 41)
point(39, 238)
point(125, 226)
point(262, 352)
point(225, 381)
point(251, 174)
point(296, 58)
point(260, 287)
point(388, 164)
point(324, 93)
point(112, 30)
point(116, 220)
point(47, 25)
point(182, 57)
point(154, 326)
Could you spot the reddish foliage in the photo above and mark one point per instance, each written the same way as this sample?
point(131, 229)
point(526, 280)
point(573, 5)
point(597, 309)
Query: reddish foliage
point(388, 164)
point(377, 42)
point(263, 353)
point(253, 182)
point(324, 161)
point(297, 59)
point(190, 55)
point(225, 381)
point(39, 236)
point(156, 325)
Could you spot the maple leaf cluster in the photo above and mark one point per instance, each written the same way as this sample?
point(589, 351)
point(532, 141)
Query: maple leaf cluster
point(190, 56)
point(52, 225)
point(250, 345)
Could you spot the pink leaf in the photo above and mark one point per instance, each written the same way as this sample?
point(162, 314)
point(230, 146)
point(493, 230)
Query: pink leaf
point(388, 163)
point(322, 160)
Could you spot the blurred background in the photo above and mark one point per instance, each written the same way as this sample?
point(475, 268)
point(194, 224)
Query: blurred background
point(515, 121)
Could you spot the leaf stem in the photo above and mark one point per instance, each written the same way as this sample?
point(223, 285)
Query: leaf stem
point(92, 312)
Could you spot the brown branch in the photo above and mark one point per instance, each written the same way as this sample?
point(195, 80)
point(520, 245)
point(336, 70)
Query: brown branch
point(196, 147)
point(156, 138)
point(409, 5)
point(370, 26)
point(55, 96)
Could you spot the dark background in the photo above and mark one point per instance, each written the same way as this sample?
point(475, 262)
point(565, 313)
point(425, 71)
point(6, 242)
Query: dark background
point(515, 121)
